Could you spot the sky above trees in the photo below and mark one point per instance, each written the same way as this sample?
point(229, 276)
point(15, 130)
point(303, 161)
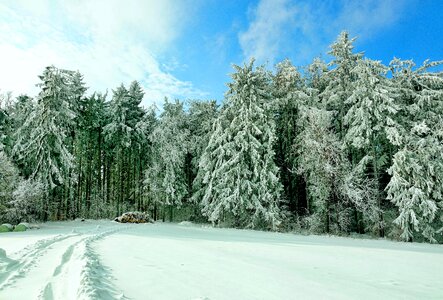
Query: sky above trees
point(183, 49)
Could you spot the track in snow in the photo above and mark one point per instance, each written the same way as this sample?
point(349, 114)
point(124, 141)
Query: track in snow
point(175, 262)
point(62, 267)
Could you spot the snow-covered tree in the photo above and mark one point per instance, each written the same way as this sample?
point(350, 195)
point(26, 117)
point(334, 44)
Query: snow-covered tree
point(372, 107)
point(240, 175)
point(3, 122)
point(41, 141)
point(143, 154)
point(321, 161)
point(118, 131)
point(340, 78)
point(27, 202)
point(316, 75)
point(9, 180)
point(123, 139)
point(124, 112)
point(88, 175)
point(370, 122)
point(18, 113)
point(288, 90)
point(202, 115)
point(165, 178)
point(416, 185)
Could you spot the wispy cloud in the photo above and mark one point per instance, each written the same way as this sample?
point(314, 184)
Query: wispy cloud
point(108, 41)
point(268, 29)
point(305, 28)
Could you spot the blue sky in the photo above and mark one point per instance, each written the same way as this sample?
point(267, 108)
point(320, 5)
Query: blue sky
point(184, 48)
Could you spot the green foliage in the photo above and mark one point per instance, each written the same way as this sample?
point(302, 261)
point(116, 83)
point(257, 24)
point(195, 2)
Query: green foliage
point(20, 227)
point(6, 228)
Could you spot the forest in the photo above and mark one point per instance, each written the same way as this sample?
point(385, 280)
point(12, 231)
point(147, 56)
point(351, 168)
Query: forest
point(340, 147)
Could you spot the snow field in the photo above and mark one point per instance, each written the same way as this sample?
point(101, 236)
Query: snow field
point(106, 260)
point(176, 262)
point(60, 267)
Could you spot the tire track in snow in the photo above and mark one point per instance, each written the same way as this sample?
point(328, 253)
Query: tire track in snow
point(80, 274)
point(11, 270)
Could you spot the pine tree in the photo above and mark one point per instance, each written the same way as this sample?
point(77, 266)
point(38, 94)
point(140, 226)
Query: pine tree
point(3, 125)
point(16, 115)
point(118, 136)
point(290, 96)
point(139, 139)
point(89, 153)
point(202, 115)
point(240, 176)
point(48, 126)
point(9, 180)
point(322, 162)
point(166, 178)
point(122, 137)
point(316, 75)
point(118, 131)
point(370, 121)
point(340, 79)
point(416, 185)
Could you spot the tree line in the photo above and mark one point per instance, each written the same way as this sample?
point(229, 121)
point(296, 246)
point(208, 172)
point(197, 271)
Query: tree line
point(351, 145)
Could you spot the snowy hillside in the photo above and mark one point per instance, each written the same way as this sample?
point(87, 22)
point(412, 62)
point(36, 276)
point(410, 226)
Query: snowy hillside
point(107, 260)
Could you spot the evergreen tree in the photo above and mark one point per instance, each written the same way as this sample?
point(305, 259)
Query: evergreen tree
point(322, 162)
point(290, 96)
point(166, 180)
point(3, 125)
point(202, 115)
point(45, 147)
point(9, 180)
point(340, 78)
point(89, 152)
point(141, 122)
point(370, 120)
point(123, 140)
point(18, 114)
point(316, 75)
point(416, 185)
point(240, 176)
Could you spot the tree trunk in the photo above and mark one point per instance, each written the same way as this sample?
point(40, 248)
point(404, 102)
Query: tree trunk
point(381, 230)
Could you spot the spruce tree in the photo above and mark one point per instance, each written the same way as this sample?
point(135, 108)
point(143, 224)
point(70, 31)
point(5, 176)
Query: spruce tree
point(240, 176)
point(369, 121)
point(322, 162)
point(42, 139)
point(416, 185)
point(202, 115)
point(340, 79)
point(165, 179)
point(288, 89)
point(9, 179)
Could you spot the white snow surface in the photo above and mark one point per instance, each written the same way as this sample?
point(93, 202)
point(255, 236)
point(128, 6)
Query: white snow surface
point(108, 260)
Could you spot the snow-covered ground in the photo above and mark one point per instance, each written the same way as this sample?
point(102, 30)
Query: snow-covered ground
point(107, 260)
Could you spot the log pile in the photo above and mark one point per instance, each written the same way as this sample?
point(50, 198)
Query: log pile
point(134, 217)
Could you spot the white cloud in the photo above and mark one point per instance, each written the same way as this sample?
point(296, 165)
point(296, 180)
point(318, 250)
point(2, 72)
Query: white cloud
point(305, 28)
point(268, 30)
point(108, 41)
point(368, 17)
